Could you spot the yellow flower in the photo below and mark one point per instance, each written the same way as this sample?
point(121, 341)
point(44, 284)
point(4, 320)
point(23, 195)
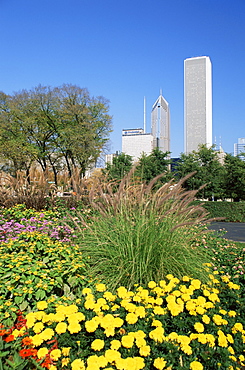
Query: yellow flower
point(199, 327)
point(232, 313)
point(97, 344)
point(47, 334)
point(61, 327)
point(78, 364)
point(74, 327)
point(38, 327)
point(112, 355)
point(42, 305)
point(115, 344)
point(55, 354)
point(206, 319)
point(127, 341)
point(131, 318)
point(91, 326)
point(65, 351)
point(42, 352)
point(196, 365)
point(100, 287)
point(145, 351)
point(152, 284)
point(65, 361)
point(159, 363)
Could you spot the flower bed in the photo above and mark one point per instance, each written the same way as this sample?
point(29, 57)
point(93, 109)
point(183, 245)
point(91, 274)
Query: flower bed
point(175, 324)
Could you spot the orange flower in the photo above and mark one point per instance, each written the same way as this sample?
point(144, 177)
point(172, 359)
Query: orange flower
point(27, 341)
point(9, 338)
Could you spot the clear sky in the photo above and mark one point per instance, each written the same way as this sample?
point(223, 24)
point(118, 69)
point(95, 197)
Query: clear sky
point(127, 49)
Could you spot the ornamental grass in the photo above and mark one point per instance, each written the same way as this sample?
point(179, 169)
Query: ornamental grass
point(141, 233)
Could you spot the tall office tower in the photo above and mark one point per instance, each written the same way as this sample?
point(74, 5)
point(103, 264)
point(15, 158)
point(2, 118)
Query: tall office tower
point(197, 103)
point(239, 148)
point(160, 124)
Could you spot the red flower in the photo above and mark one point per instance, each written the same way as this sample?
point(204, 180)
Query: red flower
point(27, 341)
point(28, 352)
point(9, 338)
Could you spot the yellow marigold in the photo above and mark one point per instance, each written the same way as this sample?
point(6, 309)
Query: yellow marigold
point(55, 354)
point(115, 344)
point(232, 313)
point(100, 287)
point(38, 327)
point(159, 363)
point(131, 318)
point(86, 291)
point(42, 352)
point(65, 361)
point(74, 327)
point(42, 305)
point(152, 284)
point(140, 342)
point(237, 327)
point(97, 344)
point(199, 327)
point(200, 310)
point(186, 349)
point(157, 334)
point(140, 311)
point(196, 283)
point(78, 364)
point(91, 326)
point(53, 367)
point(196, 365)
point(222, 340)
point(145, 351)
point(127, 341)
point(206, 319)
point(112, 355)
point(61, 327)
point(213, 297)
point(47, 334)
point(65, 351)
point(217, 319)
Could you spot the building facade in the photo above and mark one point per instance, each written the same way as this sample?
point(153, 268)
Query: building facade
point(135, 142)
point(160, 124)
point(197, 103)
point(239, 148)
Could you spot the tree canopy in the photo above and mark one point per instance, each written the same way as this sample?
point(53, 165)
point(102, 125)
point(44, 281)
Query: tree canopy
point(61, 127)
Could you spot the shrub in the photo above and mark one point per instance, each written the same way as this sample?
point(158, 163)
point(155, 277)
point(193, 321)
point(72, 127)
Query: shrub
point(141, 234)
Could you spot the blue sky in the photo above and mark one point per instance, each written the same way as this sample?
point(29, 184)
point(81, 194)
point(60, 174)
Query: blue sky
point(127, 49)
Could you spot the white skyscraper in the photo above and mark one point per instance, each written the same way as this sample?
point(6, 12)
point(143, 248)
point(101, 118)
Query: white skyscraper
point(160, 124)
point(197, 103)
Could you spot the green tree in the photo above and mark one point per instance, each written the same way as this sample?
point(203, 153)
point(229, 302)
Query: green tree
point(61, 127)
point(156, 163)
point(205, 162)
point(234, 179)
point(121, 165)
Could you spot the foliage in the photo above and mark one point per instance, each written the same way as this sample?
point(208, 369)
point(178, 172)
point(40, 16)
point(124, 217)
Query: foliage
point(208, 169)
point(173, 324)
point(231, 211)
point(37, 260)
point(61, 127)
point(234, 181)
point(141, 234)
point(121, 165)
point(154, 164)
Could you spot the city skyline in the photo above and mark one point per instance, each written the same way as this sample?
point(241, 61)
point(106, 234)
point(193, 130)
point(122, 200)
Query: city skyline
point(197, 103)
point(160, 124)
point(126, 50)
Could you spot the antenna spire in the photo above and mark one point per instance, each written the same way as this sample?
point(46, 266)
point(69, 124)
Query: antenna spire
point(144, 115)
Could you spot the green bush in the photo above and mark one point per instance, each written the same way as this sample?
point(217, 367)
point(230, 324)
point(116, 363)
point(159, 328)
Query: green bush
point(231, 211)
point(141, 234)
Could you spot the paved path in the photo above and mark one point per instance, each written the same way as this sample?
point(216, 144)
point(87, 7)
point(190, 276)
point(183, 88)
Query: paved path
point(235, 230)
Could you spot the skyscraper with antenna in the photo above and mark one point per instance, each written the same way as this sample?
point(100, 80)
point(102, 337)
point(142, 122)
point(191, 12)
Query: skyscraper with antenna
point(160, 124)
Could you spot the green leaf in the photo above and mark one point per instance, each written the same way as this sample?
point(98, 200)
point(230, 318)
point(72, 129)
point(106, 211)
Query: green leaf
point(23, 305)
point(18, 299)
point(40, 294)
